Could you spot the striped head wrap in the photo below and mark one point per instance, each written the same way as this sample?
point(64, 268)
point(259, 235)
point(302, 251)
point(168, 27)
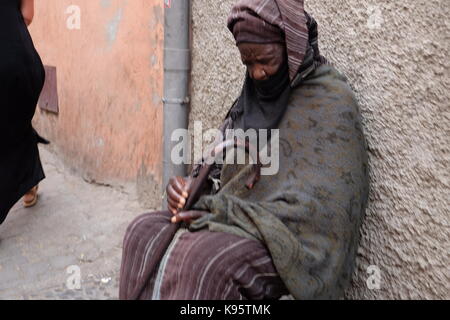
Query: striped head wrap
point(282, 21)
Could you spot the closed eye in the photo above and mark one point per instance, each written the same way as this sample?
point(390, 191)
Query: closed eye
point(265, 60)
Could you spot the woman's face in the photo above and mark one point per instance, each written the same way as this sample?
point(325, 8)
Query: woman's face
point(262, 60)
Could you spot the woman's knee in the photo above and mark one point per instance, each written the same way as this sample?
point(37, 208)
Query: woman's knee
point(147, 222)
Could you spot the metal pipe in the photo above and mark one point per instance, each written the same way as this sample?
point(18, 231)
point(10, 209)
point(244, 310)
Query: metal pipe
point(177, 66)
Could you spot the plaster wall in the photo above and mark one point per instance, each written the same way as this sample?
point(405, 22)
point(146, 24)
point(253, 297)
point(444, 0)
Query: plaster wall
point(109, 71)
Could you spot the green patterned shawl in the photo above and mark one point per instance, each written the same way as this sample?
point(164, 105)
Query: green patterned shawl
point(309, 214)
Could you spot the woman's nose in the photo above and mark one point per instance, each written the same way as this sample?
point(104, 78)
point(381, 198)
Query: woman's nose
point(258, 74)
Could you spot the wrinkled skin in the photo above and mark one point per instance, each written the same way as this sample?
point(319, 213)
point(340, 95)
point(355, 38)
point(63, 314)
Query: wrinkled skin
point(262, 60)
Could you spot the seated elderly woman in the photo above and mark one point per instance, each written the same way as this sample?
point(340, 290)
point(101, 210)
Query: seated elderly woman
point(295, 232)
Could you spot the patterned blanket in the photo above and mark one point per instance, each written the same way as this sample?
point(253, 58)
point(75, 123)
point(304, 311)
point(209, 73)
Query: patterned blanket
point(309, 214)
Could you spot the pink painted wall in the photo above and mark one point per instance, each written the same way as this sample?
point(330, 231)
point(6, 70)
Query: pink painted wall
point(110, 84)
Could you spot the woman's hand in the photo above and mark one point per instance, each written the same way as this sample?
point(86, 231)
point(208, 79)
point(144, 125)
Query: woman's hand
point(188, 216)
point(27, 9)
point(177, 193)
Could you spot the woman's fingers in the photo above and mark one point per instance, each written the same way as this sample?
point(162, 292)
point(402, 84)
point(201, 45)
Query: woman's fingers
point(174, 195)
point(188, 216)
point(180, 185)
point(173, 206)
point(177, 193)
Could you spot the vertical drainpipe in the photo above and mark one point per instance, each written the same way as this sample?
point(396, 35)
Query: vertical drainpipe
point(177, 66)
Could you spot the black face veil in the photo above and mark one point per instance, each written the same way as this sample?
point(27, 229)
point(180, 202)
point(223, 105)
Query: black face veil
point(263, 103)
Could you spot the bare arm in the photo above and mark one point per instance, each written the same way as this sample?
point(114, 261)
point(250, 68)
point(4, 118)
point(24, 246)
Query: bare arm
point(27, 8)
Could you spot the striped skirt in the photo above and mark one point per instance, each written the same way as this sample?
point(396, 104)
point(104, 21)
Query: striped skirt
point(163, 261)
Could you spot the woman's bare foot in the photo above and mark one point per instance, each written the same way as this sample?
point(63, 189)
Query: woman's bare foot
point(31, 197)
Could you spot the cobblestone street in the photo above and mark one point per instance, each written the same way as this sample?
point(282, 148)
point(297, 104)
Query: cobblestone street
point(74, 224)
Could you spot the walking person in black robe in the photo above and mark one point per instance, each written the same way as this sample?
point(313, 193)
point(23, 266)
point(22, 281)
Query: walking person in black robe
point(22, 78)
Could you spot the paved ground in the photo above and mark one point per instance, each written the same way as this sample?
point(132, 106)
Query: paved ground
point(74, 224)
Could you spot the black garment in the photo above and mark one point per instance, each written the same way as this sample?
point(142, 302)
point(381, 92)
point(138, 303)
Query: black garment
point(262, 103)
point(22, 77)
